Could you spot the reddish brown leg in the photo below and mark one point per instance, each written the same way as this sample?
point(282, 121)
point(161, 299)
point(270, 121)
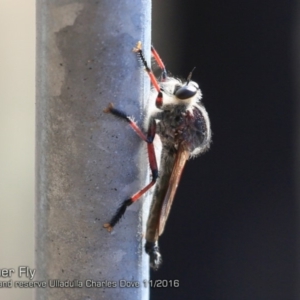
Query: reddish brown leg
point(159, 62)
point(138, 49)
point(152, 161)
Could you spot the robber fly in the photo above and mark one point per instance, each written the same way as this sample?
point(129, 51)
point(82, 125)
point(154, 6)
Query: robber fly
point(182, 123)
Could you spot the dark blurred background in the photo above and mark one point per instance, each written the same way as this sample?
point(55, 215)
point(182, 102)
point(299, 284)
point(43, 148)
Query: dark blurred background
point(232, 231)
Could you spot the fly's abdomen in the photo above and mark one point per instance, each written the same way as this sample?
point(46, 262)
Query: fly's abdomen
point(166, 164)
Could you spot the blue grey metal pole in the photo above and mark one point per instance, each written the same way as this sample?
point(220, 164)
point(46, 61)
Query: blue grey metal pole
point(88, 162)
point(296, 69)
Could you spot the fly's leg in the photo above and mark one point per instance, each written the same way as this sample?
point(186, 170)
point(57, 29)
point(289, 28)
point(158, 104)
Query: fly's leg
point(152, 161)
point(138, 50)
point(159, 62)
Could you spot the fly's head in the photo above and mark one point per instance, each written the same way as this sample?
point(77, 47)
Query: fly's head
point(180, 93)
point(187, 90)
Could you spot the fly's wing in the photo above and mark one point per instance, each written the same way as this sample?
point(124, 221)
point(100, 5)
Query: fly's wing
point(180, 160)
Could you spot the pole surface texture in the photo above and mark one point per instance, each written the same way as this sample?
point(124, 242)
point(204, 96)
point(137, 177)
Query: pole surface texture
point(88, 162)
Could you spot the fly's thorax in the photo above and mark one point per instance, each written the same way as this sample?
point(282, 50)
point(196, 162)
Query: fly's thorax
point(185, 125)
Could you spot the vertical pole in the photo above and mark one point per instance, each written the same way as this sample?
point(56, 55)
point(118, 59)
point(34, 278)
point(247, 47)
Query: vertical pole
point(87, 162)
point(296, 69)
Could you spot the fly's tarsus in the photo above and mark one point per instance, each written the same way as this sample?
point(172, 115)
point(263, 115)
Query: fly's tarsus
point(118, 113)
point(138, 47)
point(138, 50)
point(108, 109)
point(108, 227)
point(118, 215)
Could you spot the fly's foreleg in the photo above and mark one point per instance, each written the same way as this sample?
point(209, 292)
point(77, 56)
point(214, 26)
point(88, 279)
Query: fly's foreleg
point(159, 62)
point(138, 50)
point(152, 161)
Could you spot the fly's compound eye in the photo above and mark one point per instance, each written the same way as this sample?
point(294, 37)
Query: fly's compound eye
point(177, 87)
point(186, 91)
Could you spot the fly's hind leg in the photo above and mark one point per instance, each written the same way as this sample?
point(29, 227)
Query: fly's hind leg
point(152, 161)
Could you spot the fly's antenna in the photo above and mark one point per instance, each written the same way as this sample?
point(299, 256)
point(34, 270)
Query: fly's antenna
point(190, 76)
